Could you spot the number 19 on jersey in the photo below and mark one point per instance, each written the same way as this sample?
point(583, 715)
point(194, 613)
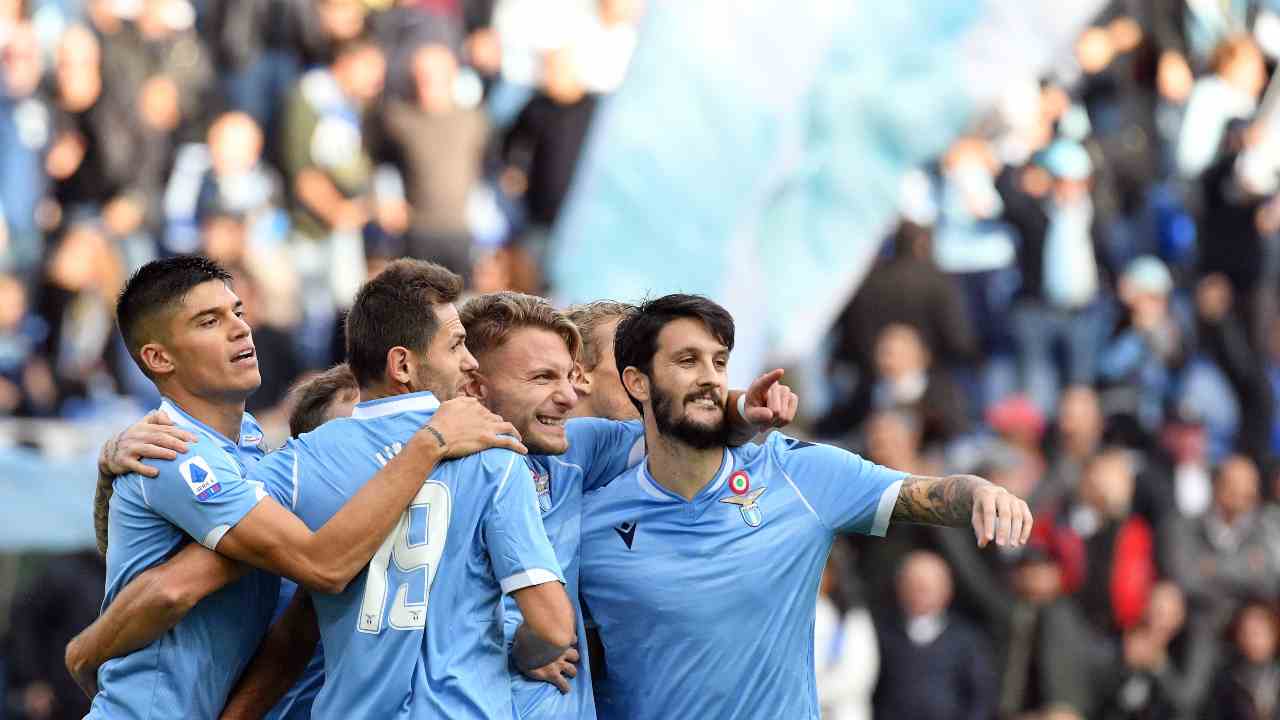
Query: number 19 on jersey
point(415, 545)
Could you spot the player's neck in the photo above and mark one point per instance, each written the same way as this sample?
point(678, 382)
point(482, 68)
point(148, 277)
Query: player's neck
point(682, 469)
point(377, 391)
point(224, 416)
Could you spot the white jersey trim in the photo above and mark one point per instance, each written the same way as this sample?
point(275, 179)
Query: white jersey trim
point(294, 506)
point(383, 407)
point(528, 578)
point(884, 511)
point(214, 536)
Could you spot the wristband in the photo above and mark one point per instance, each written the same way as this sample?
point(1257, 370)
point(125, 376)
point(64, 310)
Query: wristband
point(436, 434)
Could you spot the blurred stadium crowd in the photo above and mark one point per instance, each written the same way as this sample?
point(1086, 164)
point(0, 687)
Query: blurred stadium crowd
point(1081, 302)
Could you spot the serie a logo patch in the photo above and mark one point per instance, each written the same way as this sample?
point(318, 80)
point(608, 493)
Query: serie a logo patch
point(200, 478)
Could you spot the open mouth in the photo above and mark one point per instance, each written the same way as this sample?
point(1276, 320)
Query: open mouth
point(244, 355)
point(704, 401)
point(549, 421)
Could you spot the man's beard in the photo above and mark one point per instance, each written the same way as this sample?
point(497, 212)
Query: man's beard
point(691, 433)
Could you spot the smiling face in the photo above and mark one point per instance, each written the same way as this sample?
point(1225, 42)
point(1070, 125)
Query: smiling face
point(688, 387)
point(206, 346)
point(528, 381)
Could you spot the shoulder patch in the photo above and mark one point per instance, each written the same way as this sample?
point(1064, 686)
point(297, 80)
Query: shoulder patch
point(200, 478)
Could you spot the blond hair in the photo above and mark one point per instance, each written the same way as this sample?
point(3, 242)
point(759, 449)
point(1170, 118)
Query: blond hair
point(589, 317)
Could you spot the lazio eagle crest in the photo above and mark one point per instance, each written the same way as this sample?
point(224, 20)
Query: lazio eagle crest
point(751, 514)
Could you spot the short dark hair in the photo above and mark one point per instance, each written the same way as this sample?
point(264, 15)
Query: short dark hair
point(394, 310)
point(636, 340)
point(589, 317)
point(312, 397)
point(156, 290)
point(490, 319)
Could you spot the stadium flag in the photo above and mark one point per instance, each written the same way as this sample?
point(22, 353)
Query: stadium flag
point(754, 151)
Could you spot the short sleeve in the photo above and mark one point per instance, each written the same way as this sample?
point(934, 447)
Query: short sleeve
point(203, 493)
point(279, 474)
point(604, 449)
point(521, 554)
point(848, 493)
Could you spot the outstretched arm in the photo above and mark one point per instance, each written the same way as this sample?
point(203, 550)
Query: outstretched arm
point(274, 539)
point(146, 608)
point(959, 500)
point(280, 661)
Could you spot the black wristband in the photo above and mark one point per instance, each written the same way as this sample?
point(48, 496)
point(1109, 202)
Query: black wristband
point(530, 652)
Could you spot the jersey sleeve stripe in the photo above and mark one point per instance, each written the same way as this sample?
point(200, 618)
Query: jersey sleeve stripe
point(800, 495)
point(884, 511)
point(528, 578)
point(503, 483)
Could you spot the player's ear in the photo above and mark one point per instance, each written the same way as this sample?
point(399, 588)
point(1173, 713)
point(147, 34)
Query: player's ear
point(476, 387)
point(156, 359)
point(400, 365)
point(636, 383)
point(581, 380)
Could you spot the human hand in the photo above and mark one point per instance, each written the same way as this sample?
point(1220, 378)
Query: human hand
point(462, 426)
point(555, 671)
point(154, 437)
point(769, 403)
point(1001, 516)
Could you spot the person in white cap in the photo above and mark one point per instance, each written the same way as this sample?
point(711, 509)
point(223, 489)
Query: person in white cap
point(1147, 348)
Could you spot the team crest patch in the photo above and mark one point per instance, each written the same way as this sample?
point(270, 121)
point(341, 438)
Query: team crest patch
point(740, 482)
point(751, 514)
point(542, 485)
point(200, 478)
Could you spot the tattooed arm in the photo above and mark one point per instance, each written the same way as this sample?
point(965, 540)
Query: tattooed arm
point(958, 500)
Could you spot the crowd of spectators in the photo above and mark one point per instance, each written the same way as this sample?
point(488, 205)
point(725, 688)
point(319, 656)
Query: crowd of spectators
point(1080, 302)
point(299, 142)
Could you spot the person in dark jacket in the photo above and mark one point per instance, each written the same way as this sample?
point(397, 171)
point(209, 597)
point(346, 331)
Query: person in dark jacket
point(934, 664)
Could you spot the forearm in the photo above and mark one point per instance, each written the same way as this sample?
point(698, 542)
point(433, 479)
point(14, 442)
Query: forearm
point(135, 619)
point(946, 501)
point(343, 546)
point(102, 508)
point(280, 661)
point(150, 605)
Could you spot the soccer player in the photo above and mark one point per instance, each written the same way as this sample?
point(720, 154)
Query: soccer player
point(599, 387)
point(183, 326)
point(700, 565)
point(525, 349)
point(420, 633)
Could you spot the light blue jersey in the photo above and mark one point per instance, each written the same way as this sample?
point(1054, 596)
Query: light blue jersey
point(598, 451)
point(706, 607)
point(419, 633)
point(189, 671)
